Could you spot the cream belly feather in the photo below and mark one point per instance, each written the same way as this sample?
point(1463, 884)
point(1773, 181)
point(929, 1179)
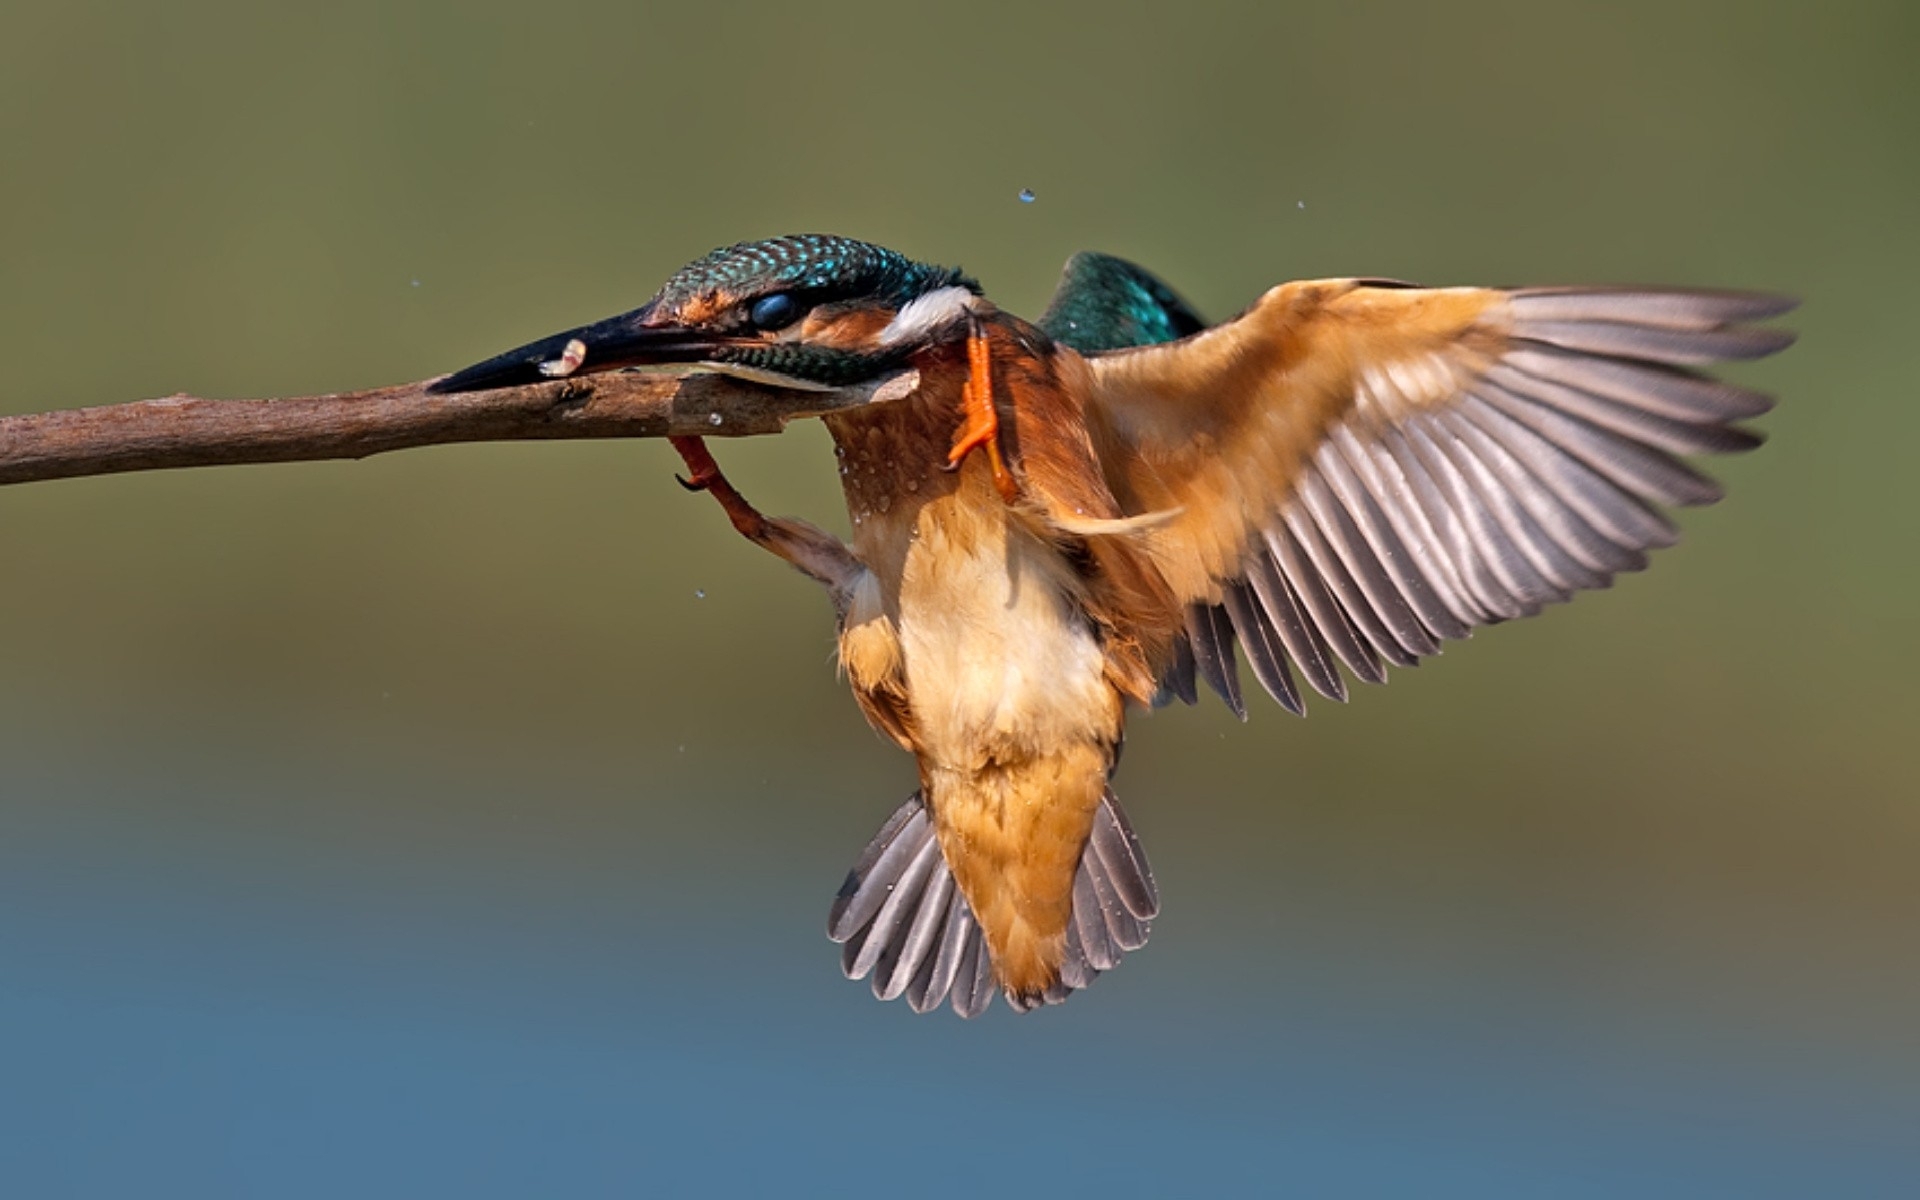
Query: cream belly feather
point(1016, 739)
point(986, 609)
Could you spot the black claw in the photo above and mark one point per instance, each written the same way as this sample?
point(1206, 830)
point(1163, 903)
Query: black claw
point(691, 485)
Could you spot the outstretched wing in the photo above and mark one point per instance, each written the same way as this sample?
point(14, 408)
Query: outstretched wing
point(1362, 470)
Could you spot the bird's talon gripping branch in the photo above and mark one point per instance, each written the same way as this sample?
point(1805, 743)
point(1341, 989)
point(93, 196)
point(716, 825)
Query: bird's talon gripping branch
point(982, 426)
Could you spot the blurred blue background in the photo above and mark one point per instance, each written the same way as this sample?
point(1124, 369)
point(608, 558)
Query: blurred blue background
point(463, 821)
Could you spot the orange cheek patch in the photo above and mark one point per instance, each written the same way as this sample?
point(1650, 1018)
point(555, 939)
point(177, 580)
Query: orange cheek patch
point(704, 308)
point(857, 330)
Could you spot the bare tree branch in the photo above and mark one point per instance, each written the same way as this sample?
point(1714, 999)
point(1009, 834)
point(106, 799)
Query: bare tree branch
point(188, 431)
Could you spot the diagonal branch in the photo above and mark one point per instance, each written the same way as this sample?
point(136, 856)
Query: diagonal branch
point(188, 431)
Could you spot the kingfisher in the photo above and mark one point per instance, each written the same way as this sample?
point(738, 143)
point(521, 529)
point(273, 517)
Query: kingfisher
point(1070, 517)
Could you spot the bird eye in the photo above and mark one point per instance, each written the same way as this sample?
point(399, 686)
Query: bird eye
point(776, 311)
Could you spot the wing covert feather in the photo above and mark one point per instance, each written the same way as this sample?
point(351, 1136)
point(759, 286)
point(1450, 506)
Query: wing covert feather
point(1360, 472)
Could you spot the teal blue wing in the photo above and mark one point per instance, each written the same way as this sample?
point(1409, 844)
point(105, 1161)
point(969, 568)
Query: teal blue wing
point(1108, 303)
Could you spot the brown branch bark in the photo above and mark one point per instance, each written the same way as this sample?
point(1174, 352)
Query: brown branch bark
point(188, 431)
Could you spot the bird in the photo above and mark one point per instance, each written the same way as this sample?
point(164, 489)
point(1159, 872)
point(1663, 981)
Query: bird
point(1075, 517)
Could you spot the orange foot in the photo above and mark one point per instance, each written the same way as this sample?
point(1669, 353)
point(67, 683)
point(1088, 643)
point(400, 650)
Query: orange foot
point(982, 427)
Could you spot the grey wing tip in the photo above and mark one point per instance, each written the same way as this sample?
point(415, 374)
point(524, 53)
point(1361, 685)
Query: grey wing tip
point(1209, 634)
point(1717, 305)
point(1673, 326)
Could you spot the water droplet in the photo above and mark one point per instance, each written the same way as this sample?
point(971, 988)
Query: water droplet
point(883, 503)
point(699, 593)
point(416, 283)
point(913, 485)
point(843, 468)
point(1026, 196)
point(1300, 204)
point(839, 451)
point(714, 418)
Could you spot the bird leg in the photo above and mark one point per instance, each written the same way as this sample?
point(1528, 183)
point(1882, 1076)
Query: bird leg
point(812, 550)
point(982, 427)
point(707, 477)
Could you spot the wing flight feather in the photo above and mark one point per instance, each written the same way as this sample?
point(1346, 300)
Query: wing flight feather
point(1358, 473)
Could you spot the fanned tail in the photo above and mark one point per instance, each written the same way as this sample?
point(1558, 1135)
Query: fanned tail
point(902, 920)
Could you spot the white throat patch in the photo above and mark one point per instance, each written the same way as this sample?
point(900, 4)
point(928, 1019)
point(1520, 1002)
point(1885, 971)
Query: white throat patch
point(925, 315)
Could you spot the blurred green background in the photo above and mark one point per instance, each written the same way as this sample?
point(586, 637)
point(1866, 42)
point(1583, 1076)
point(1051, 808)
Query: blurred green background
point(463, 821)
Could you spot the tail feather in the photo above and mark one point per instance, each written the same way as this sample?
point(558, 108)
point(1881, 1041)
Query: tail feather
point(934, 982)
point(902, 921)
point(1125, 863)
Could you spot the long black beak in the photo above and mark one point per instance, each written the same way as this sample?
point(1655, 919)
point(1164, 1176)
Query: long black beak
point(622, 341)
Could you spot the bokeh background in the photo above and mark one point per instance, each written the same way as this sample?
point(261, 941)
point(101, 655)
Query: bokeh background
point(463, 822)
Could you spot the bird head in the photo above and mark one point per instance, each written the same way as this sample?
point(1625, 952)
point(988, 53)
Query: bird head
point(807, 310)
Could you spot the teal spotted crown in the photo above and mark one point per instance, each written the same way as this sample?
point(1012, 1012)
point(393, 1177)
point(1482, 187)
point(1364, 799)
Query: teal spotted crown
point(811, 262)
